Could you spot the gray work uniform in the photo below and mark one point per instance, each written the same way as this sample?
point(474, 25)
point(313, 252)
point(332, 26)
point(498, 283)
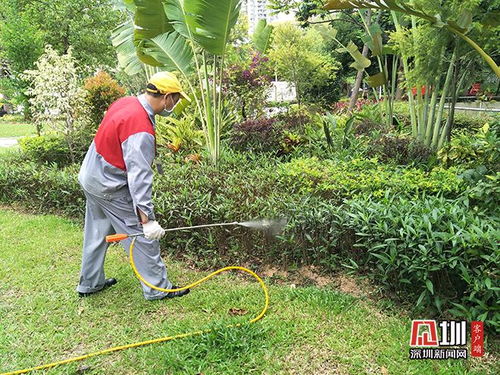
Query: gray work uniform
point(113, 196)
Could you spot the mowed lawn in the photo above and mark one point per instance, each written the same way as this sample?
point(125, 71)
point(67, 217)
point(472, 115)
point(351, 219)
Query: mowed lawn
point(16, 129)
point(307, 330)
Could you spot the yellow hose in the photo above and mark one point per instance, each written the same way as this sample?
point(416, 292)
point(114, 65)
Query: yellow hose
point(161, 339)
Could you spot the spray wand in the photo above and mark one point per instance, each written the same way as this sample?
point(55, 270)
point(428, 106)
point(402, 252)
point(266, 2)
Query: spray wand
point(273, 226)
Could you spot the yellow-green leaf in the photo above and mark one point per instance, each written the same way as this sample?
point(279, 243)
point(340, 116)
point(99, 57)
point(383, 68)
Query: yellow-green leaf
point(360, 62)
point(377, 80)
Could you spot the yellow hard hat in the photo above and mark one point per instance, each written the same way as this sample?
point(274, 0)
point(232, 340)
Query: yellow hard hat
point(166, 83)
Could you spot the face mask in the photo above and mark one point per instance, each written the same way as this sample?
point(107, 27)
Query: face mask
point(166, 112)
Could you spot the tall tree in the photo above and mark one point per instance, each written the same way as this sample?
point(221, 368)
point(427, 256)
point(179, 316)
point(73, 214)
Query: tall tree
point(300, 58)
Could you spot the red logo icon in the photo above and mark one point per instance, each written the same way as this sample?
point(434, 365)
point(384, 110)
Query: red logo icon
point(424, 333)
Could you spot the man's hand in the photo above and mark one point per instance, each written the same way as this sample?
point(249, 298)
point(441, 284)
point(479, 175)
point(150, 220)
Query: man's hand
point(153, 230)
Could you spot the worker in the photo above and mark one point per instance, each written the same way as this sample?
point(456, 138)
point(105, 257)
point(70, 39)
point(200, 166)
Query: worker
point(116, 177)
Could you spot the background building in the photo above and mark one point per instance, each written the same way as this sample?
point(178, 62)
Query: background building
point(257, 9)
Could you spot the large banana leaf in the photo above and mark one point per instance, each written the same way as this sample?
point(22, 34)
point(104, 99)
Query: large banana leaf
point(171, 50)
point(214, 21)
point(373, 39)
point(181, 16)
point(122, 39)
point(456, 27)
point(377, 80)
point(262, 36)
point(150, 21)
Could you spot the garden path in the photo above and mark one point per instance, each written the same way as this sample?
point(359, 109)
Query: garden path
point(8, 141)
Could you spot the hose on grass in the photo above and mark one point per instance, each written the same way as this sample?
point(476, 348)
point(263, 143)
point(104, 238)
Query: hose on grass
point(160, 339)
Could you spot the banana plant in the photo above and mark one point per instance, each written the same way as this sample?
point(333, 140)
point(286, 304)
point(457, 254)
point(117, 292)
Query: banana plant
point(384, 78)
point(455, 27)
point(189, 37)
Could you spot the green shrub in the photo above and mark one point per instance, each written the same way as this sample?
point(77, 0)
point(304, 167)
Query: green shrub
point(42, 188)
point(179, 136)
point(330, 137)
point(438, 249)
point(338, 180)
point(279, 135)
point(50, 148)
point(481, 149)
point(399, 149)
point(485, 194)
point(12, 118)
point(100, 91)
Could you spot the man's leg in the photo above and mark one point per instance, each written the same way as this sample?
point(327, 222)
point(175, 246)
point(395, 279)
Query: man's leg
point(97, 227)
point(120, 213)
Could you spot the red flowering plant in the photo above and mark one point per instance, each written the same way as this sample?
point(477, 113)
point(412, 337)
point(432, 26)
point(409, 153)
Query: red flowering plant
point(341, 107)
point(246, 86)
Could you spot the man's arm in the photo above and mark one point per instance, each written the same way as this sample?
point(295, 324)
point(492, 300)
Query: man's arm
point(138, 154)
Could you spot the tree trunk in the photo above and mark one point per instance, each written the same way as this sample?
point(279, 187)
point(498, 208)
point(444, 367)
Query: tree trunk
point(357, 84)
point(359, 76)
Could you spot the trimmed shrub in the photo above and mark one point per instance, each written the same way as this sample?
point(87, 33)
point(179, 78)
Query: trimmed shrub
point(50, 148)
point(42, 188)
point(339, 180)
point(462, 121)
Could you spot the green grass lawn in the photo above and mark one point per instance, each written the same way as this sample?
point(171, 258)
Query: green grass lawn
point(8, 150)
point(16, 129)
point(307, 330)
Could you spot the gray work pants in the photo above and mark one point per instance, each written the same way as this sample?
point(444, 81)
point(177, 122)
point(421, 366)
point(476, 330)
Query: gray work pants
point(110, 216)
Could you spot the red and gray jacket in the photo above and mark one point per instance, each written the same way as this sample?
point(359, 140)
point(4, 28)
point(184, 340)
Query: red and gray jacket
point(119, 160)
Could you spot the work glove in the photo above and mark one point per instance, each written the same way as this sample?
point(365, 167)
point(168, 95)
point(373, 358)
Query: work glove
point(152, 230)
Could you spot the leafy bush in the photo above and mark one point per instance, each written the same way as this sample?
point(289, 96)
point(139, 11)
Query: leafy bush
point(50, 148)
point(255, 135)
point(247, 85)
point(278, 135)
point(473, 151)
point(399, 149)
point(182, 135)
point(485, 194)
point(338, 180)
point(438, 249)
point(366, 126)
point(41, 187)
point(100, 91)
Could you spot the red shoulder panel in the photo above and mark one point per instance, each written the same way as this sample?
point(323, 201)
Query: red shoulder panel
point(125, 117)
